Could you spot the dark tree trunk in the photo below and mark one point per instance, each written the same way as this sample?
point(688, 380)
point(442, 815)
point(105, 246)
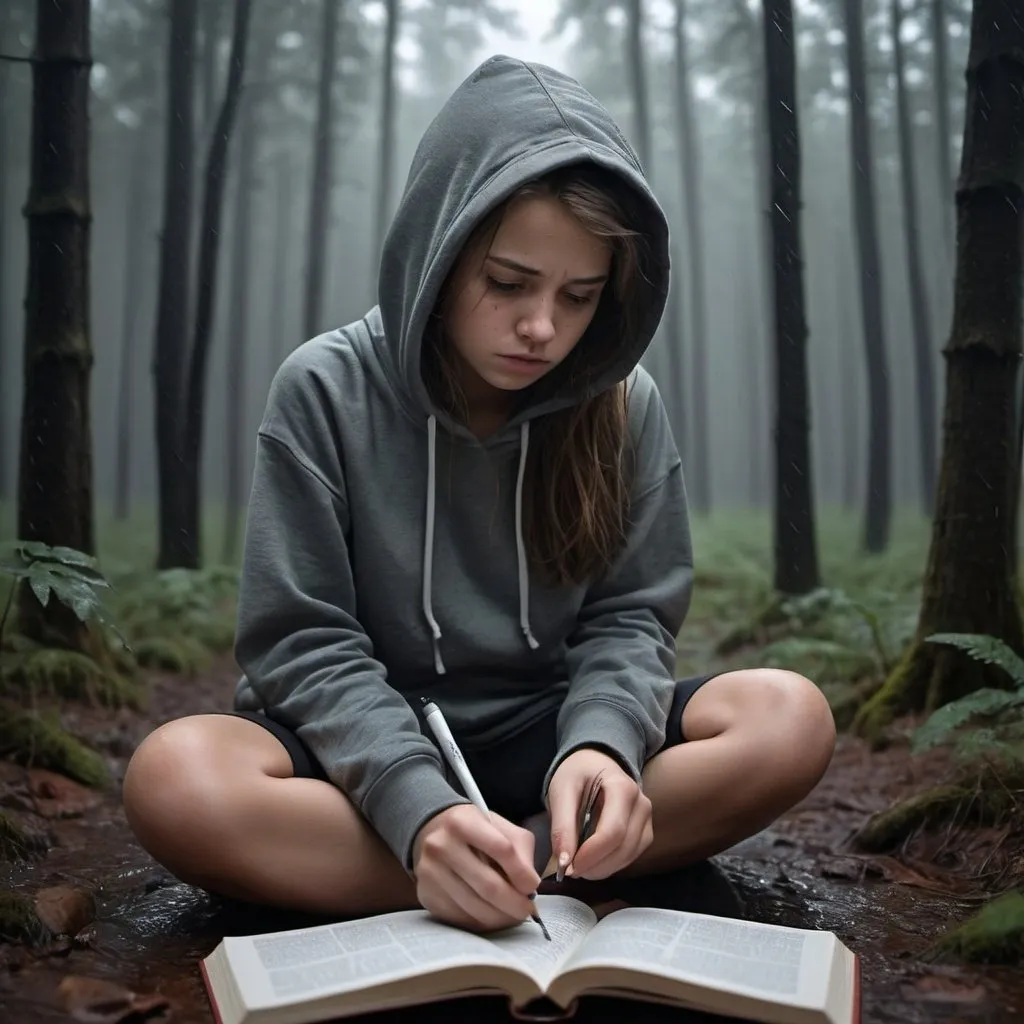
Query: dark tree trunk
point(5, 492)
point(923, 364)
point(638, 81)
point(55, 472)
point(284, 203)
point(970, 583)
point(941, 86)
point(795, 548)
point(211, 15)
point(171, 345)
point(238, 333)
point(386, 150)
point(206, 281)
point(849, 412)
point(690, 170)
point(320, 188)
point(878, 510)
point(135, 235)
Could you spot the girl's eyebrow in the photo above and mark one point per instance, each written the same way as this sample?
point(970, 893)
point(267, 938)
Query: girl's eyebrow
point(523, 269)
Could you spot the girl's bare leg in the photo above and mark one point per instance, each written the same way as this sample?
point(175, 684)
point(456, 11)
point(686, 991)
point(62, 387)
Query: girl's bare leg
point(213, 799)
point(757, 742)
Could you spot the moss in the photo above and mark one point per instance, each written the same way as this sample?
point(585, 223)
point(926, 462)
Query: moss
point(846, 699)
point(902, 691)
point(182, 655)
point(995, 935)
point(30, 739)
point(72, 675)
point(19, 921)
point(984, 800)
point(18, 843)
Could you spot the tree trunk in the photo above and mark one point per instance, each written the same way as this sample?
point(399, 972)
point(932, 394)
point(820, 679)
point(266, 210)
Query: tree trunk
point(171, 345)
point(237, 397)
point(878, 511)
point(386, 150)
point(135, 236)
point(206, 281)
point(943, 131)
point(5, 492)
point(795, 548)
point(284, 203)
point(690, 170)
point(923, 364)
point(638, 82)
point(970, 583)
point(55, 474)
point(321, 186)
point(211, 14)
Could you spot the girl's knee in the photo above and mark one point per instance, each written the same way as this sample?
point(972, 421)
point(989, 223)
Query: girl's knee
point(171, 796)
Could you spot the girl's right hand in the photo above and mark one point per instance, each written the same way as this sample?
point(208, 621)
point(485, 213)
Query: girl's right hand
point(473, 870)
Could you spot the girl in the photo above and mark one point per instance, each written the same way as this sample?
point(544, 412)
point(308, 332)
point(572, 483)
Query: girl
point(473, 494)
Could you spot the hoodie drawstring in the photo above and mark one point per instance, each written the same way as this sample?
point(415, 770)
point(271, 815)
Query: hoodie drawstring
point(524, 576)
point(428, 543)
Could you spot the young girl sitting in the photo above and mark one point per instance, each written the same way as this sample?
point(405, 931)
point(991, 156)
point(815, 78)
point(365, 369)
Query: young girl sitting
point(472, 494)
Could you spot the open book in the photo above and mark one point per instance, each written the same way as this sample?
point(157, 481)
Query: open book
point(737, 968)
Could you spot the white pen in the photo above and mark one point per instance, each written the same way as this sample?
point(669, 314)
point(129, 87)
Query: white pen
point(450, 749)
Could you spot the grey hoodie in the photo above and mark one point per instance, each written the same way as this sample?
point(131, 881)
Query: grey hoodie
point(383, 557)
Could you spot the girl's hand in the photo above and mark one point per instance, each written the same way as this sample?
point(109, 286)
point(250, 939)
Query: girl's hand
point(474, 870)
point(623, 827)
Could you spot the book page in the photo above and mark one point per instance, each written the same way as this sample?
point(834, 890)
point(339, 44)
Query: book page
point(786, 965)
point(567, 921)
point(310, 963)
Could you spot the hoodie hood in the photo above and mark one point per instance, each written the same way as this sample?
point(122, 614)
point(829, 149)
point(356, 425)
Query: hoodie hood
point(509, 123)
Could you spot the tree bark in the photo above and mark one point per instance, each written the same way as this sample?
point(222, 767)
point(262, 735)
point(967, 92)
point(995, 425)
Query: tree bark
point(878, 510)
point(970, 583)
point(638, 81)
point(171, 344)
point(4, 358)
point(280, 338)
point(135, 235)
point(206, 278)
point(55, 500)
point(943, 120)
point(690, 171)
point(237, 397)
point(386, 149)
point(923, 364)
point(323, 159)
point(795, 543)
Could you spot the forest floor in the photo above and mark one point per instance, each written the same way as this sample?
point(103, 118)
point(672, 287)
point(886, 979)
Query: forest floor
point(137, 934)
point(140, 934)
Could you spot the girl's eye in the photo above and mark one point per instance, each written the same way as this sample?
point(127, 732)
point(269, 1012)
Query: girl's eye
point(578, 300)
point(502, 286)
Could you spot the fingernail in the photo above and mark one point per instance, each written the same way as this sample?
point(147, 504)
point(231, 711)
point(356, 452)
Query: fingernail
point(563, 860)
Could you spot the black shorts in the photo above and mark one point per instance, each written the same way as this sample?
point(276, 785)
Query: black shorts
point(509, 774)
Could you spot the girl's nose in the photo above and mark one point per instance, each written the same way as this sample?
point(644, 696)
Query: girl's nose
point(538, 325)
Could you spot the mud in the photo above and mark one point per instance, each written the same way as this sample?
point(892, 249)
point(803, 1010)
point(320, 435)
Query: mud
point(149, 931)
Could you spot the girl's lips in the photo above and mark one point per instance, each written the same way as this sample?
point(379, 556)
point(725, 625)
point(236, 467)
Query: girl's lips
point(522, 364)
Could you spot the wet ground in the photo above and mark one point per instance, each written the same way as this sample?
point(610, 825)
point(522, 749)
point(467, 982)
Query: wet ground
point(144, 933)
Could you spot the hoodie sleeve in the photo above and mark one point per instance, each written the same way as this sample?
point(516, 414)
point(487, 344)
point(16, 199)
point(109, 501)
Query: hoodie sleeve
point(298, 640)
point(621, 657)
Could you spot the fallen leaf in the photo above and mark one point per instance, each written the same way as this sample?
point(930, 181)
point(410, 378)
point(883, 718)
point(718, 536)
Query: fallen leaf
point(937, 988)
point(848, 868)
point(893, 870)
point(64, 910)
point(94, 1001)
point(57, 796)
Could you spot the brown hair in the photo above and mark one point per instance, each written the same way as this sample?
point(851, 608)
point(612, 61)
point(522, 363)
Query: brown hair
point(576, 487)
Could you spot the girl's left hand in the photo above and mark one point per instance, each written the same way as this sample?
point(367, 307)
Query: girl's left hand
point(623, 827)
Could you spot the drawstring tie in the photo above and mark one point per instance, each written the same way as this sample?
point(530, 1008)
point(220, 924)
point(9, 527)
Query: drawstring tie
point(428, 543)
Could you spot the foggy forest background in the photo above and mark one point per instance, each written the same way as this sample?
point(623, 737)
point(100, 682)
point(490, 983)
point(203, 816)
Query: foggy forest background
point(691, 102)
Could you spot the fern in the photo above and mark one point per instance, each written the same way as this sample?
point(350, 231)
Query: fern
point(986, 702)
point(987, 649)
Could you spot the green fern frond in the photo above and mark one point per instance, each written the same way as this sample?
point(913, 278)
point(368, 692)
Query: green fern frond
point(943, 721)
point(985, 648)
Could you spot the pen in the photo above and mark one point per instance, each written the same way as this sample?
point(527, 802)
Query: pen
point(450, 749)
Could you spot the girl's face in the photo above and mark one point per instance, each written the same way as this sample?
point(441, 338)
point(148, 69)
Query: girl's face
point(515, 314)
